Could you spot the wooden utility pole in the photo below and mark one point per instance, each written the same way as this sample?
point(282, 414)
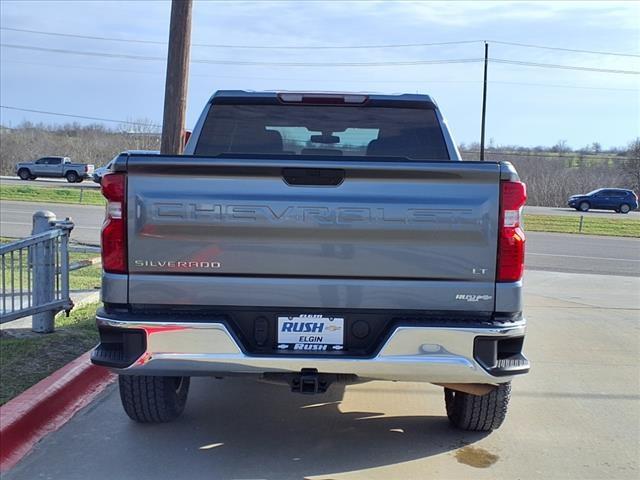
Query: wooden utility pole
point(484, 100)
point(175, 91)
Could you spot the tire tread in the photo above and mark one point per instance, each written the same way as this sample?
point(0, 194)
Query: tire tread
point(151, 399)
point(479, 413)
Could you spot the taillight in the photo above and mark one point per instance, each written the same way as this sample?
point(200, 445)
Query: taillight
point(114, 228)
point(511, 236)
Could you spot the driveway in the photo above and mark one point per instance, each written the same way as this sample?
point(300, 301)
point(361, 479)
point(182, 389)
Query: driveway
point(576, 415)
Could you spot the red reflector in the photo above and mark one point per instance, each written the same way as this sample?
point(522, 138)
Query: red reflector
point(511, 238)
point(511, 255)
point(114, 228)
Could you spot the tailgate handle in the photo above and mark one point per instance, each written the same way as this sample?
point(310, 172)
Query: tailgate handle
point(313, 176)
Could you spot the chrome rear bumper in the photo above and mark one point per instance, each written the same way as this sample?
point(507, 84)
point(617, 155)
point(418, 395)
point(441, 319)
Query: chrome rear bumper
point(417, 354)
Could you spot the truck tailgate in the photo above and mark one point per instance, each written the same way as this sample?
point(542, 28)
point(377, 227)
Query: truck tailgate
point(207, 223)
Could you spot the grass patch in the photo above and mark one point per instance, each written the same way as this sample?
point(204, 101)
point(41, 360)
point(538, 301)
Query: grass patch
point(76, 195)
point(27, 358)
point(614, 227)
point(87, 278)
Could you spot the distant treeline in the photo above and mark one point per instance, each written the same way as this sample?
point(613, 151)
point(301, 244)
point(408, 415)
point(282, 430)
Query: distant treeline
point(95, 144)
point(551, 173)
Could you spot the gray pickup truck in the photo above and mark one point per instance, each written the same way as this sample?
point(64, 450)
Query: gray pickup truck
point(309, 239)
point(56, 167)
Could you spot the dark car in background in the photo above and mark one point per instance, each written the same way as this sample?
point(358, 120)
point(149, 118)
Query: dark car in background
point(617, 199)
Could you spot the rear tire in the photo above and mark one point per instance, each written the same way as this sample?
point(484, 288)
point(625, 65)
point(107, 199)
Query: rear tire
point(624, 208)
point(71, 177)
point(148, 399)
point(24, 174)
point(584, 206)
point(478, 413)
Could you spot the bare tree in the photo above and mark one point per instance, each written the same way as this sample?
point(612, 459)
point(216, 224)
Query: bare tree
point(631, 165)
point(551, 179)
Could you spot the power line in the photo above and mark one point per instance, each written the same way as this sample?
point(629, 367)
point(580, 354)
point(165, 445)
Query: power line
point(323, 47)
point(257, 47)
point(324, 64)
point(563, 67)
point(358, 81)
point(563, 49)
point(246, 62)
point(79, 116)
point(546, 155)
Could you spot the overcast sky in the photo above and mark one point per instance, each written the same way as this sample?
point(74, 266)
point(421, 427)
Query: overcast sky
point(526, 105)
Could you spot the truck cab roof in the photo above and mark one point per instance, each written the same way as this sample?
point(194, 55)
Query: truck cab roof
point(371, 99)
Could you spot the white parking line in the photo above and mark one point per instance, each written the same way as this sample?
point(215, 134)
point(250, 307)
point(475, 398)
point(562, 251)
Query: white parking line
point(580, 256)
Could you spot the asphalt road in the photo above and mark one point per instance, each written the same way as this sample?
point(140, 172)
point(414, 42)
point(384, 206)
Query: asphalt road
point(575, 415)
point(47, 182)
point(559, 252)
point(545, 251)
point(15, 219)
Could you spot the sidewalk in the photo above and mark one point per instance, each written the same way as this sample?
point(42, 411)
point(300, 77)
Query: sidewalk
point(78, 297)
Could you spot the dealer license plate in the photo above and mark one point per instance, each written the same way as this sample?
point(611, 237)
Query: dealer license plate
point(310, 333)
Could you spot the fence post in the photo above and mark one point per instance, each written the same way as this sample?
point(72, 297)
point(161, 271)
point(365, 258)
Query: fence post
point(44, 275)
point(581, 220)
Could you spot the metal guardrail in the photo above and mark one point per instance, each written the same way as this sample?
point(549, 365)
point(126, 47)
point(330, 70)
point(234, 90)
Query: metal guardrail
point(35, 273)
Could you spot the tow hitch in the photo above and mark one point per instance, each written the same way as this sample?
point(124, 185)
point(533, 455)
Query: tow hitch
point(309, 381)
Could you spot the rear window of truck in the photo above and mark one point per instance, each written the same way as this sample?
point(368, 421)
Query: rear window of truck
point(322, 130)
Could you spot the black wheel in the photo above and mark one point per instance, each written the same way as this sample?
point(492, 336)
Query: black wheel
point(624, 208)
point(478, 413)
point(80, 180)
point(71, 177)
point(153, 399)
point(24, 174)
point(584, 206)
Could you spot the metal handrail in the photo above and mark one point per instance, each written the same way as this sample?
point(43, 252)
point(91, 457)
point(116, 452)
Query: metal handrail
point(32, 240)
point(35, 273)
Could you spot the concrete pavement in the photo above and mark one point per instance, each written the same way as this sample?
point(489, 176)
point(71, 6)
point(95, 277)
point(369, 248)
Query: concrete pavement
point(576, 415)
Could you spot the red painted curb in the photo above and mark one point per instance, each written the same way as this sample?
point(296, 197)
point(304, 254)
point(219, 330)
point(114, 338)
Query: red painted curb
point(47, 406)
